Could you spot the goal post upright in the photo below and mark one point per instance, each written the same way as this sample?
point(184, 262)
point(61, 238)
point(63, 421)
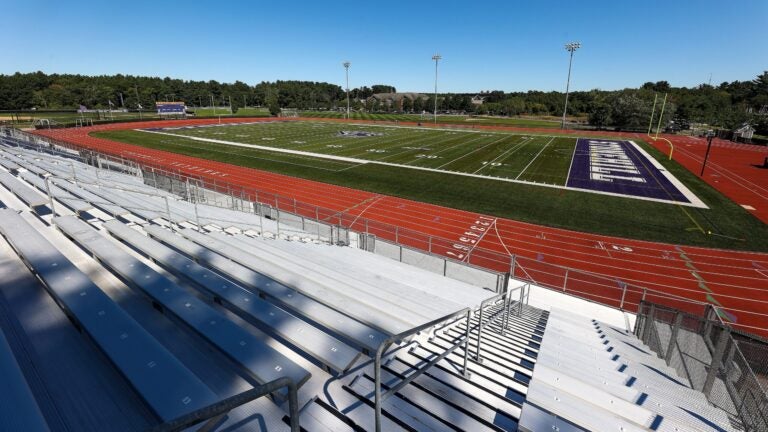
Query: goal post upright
point(653, 111)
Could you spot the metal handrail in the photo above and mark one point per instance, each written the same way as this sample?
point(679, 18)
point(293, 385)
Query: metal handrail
point(483, 304)
point(378, 396)
point(214, 412)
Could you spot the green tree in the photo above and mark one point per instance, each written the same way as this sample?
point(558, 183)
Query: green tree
point(599, 114)
point(273, 105)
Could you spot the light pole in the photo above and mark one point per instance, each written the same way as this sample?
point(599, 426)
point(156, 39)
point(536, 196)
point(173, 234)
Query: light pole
point(346, 67)
point(570, 47)
point(436, 58)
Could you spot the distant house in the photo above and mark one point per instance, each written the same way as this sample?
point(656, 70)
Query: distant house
point(743, 132)
point(478, 100)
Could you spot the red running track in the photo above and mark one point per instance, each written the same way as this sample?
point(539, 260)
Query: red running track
point(592, 266)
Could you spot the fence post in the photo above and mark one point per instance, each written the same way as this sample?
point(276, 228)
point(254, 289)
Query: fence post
point(623, 295)
point(429, 240)
point(673, 337)
point(512, 263)
point(397, 234)
point(648, 322)
point(717, 358)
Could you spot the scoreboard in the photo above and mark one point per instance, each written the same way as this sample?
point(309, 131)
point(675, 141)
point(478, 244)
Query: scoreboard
point(171, 108)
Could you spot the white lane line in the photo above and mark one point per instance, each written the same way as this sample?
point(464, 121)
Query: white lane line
point(536, 157)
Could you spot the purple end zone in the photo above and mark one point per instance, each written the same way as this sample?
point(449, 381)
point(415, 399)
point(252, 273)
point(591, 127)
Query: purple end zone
point(617, 167)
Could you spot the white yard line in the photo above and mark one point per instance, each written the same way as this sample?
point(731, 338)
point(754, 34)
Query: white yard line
point(467, 154)
point(536, 157)
point(413, 167)
point(513, 149)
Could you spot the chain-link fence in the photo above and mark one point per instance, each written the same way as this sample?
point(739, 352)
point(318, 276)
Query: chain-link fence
point(728, 366)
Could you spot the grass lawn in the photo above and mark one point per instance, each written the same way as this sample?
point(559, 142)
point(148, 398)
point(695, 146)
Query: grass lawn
point(532, 158)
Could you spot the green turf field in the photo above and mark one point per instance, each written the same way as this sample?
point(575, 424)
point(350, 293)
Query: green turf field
point(381, 163)
point(533, 158)
point(444, 119)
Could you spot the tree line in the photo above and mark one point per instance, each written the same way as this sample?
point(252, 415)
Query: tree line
point(726, 105)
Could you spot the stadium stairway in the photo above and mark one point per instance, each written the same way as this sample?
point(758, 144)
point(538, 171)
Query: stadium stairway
point(592, 376)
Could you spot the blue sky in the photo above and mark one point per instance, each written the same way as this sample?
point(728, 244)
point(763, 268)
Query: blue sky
point(504, 45)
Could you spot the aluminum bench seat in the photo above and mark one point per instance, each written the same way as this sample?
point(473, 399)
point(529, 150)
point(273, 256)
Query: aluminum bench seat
point(428, 281)
point(330, 351)
point(10, 165)
point(353, 330)
point(75, 204)
point(25, 193)
point(296, 277)
point(388, 286)
point(167, 386)
point(95, 200)
point(123, 202)
point(249, 349)
point(18, 409)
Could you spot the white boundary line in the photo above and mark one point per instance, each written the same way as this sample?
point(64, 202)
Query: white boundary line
point(418, 168)
point(695, 201)
point(573, 156)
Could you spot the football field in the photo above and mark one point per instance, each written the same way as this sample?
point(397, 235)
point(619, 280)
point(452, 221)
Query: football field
point(530, 158)
point(595, 184)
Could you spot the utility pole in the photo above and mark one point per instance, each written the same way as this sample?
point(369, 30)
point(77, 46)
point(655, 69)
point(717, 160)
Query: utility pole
point(710, 135)
point(436, 58)
point(138, 102)
point(570, 47)
point(346, 68)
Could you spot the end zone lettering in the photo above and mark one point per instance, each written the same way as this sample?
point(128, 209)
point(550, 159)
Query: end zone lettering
point(608, 162)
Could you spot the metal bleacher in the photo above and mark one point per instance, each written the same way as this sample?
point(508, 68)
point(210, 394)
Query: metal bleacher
point(353, 331)
point(31, 198)
point(18, 408)
point(598, 377)
point(332, 352)
point(251, 350)
point(165, 384)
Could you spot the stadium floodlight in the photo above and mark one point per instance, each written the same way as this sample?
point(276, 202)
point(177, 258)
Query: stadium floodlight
point(346, 67)
point(138, 102)
point(436, 58)
point(570, 47)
